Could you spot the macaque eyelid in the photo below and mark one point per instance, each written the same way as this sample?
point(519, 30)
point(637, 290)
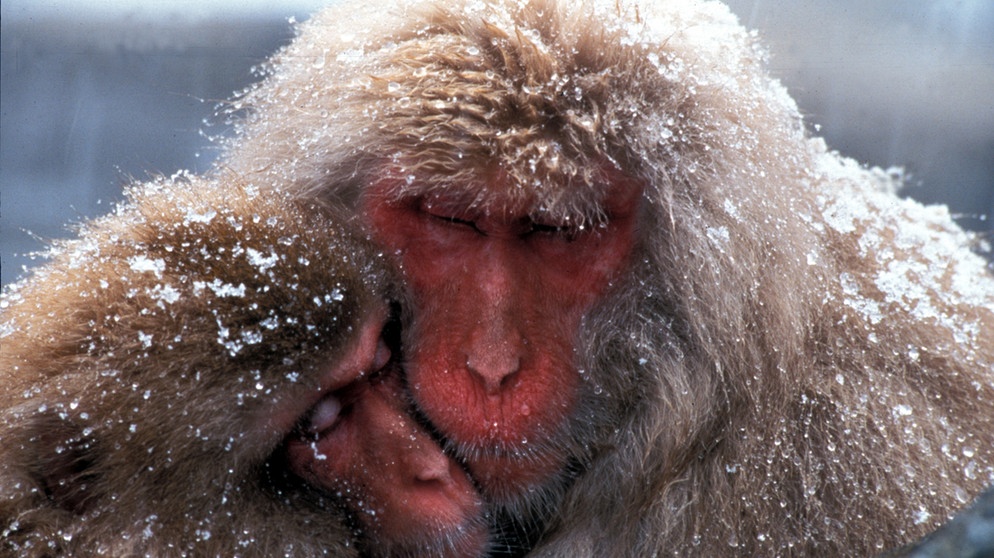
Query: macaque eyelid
point(446, 219)
point(573, 227)
point(552, 228)
point(567, 232)
point(382, 356)
point(453, 220)
point(324, 415)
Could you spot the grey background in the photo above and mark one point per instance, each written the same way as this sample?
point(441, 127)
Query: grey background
point(91, 95)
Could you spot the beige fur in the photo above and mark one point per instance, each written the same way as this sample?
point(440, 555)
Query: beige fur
point(142, 367)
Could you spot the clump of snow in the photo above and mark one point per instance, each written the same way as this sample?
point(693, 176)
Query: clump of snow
point(164, 294)
point(219, 288)
point(142, 263)
point(719, 236)
point(205, 217)
point(262, 262)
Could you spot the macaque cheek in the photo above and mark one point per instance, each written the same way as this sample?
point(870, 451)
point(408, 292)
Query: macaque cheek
point(416, 487)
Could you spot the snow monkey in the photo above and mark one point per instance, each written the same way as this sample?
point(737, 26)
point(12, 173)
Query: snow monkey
point(160, 373)
point(648, 310)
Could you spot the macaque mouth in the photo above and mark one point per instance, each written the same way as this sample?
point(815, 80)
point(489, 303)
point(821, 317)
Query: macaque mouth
point(498, 451)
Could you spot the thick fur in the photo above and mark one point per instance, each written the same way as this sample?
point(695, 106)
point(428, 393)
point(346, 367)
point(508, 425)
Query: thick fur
point(142, 367)
point(799, 362)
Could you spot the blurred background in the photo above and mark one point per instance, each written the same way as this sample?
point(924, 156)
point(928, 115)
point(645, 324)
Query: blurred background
point(94, 93)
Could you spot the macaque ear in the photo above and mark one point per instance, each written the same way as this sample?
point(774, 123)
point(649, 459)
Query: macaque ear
point(63, 461)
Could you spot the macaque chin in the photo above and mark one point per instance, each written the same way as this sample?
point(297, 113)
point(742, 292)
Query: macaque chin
point(205, 372)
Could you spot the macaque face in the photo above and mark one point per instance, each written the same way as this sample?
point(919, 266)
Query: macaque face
point(499, 292)
point(360, 443)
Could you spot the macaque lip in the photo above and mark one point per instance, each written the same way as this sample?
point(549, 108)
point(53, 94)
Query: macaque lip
point(501, 477)
point(506, 470)
point(445, 510)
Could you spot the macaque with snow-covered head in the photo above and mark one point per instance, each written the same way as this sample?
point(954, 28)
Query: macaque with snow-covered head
point(648, 311)
point(166, 373)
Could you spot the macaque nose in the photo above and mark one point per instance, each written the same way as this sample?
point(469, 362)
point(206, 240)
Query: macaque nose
point(431, 466)
point(494, 366)
point(494, 351)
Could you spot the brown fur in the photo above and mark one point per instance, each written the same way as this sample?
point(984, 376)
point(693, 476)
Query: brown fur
point(798, 363)
point(140, 370)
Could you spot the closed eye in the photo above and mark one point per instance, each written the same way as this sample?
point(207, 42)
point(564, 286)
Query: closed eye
point(453, 220)
point(568, 233)
point(540, 228)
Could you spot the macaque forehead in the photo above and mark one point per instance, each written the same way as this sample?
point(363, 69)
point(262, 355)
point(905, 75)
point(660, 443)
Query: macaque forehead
point(493, 192)
point(499, 114)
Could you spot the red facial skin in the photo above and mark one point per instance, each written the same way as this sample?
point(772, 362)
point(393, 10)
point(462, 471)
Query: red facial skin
point(410, 498)
point(498, 303)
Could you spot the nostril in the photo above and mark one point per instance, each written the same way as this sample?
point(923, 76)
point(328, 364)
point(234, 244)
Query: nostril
point(428, 476)
point(433, 467)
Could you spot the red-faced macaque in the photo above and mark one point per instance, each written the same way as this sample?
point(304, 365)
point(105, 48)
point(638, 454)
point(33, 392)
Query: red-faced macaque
point(205, 373)
point(646, 308)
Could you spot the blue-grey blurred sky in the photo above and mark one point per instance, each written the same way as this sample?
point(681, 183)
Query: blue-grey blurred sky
point(94, 92)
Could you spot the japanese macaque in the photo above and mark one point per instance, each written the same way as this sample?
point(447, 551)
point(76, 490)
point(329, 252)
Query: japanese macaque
point(649, 312)
point(205, 373)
